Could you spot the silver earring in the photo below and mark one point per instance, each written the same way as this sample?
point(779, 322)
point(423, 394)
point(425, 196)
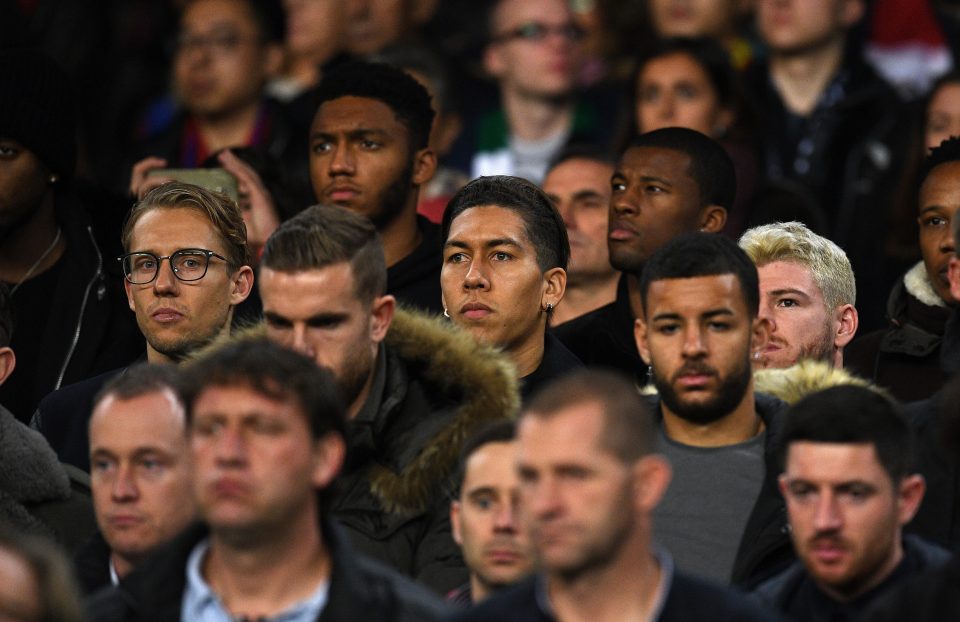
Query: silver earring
point(53, 179)
point(549, 307)
point(446, 313)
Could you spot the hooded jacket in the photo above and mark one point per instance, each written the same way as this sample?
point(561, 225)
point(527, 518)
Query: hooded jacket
point(393, 496)
point(39, 495)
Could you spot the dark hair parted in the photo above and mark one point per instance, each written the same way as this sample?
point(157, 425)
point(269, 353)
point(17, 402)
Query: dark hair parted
point(710, 164)
point(274, 372)
point(851, 414)
point(391, 85)
point(222, 212)
point(324, 235)
point(6, 315)
point(541, 220)
point(691, 255)
point(502, 431)
point(629, 430)
point(141, 379)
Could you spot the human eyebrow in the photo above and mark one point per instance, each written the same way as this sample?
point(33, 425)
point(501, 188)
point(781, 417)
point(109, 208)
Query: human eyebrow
point(503, 242)
point(714, 313)
point(275, 318)
point(666, 316)
point(657, 180)
point(789, 291)
point(483, 491)
point(587, 195)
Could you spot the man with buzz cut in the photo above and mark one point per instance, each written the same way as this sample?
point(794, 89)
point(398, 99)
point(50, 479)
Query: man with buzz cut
point(266, 434)
point(186, 269)
point(850, 489)
point(722, 517)
point(807, 294)
point(589, 484)
point(413, 387)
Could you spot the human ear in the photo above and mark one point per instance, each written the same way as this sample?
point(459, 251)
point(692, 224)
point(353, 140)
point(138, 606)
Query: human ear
point(713, 218)
point(381, 316)
point(8, 361)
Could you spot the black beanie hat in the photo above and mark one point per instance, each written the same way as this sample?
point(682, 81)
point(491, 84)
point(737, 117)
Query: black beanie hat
point(36, 108)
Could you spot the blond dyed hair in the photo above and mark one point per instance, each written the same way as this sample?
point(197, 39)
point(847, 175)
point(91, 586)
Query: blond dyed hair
point(794, 242)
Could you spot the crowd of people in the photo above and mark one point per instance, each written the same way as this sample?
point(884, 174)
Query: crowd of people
point(479, 310)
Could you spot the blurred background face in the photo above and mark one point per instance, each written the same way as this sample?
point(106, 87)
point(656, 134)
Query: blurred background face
point(221, 62)
point(534, 52)
point(23, 183)
point(693, 18)
point(675, 91)
point(580, 188)
point(938, 204)
point(314, 27)
point(794, 26)
point(374, 24)
point(19, 593)
point(943, 115)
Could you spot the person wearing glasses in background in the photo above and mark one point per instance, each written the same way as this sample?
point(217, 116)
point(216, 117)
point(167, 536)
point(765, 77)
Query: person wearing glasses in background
point(186, 269)
point(534, 53)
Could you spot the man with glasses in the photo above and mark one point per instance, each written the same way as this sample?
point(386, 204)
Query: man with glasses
point(534, 52)
point(225, 53)
point(186, 269)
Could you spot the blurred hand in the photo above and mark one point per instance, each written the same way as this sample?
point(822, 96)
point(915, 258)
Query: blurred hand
point(256, 204)
point(140, 184)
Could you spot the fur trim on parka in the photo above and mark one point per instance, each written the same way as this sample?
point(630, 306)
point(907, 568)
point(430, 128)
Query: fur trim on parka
point(450, 361)
point(791, 384)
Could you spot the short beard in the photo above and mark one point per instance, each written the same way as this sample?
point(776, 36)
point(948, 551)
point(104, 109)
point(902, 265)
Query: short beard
point(352, 378)
point(393, 199)
point(729, 394)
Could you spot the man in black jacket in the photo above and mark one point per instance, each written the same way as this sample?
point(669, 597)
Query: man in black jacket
point(414, 388)
point(267, 441)
point(722, 517)
point(589, 483)
point(850, 490)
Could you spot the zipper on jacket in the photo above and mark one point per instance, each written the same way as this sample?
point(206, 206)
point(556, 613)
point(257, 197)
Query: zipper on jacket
point(83, 308)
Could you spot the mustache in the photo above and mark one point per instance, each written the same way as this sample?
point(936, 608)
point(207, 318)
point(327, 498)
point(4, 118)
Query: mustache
point(694, 368)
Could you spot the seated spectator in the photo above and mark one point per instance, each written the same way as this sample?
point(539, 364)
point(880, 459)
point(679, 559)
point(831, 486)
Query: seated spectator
point(722, 517)
point(914, 355)
point(38, 494)
point(323, 281)
point(140, 475)
point(372, 25)
point(589, 487)
point(58, 238)
point(720, 20)
point(578, 183)
point(181, 305)
point(225, 53)
point(505, 254)
point(370, 153)
point(313, 36)
point(829, 122)
point(942, 114)
point(266, 436)
point(667, 182)
point(807, 294)
point(35, 581)
point(690, 83)
point(485, 516)
point(849, 488)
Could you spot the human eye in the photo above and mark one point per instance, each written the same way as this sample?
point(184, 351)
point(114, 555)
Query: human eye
point(207, 427)
point(934, 221)
point(667, 329)
point(618, 185)
point(502, 256)
point(8, 151)
point(654, 189)
point(102, 465)
point(788, 302)
point(151, 464)
point(277, 323)
point(718, 325)
point(266, 426)
point(483, 502)
point(144, 262)
point(456, 258)
point(321, 147)
point(800, 491)
point(370, 144)
point(856, 493)
point(687, 91)
point(649, 94)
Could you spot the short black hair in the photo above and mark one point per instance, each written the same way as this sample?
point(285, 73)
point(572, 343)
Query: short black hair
point(391, 85)
point(502, 431)
point(947, 151)
point(274, 372)
point(710, 164)
point(697, 254)
point(141, 379)
point(541, 220)
point(592, 153)
point(6, 315)
point(851, 414)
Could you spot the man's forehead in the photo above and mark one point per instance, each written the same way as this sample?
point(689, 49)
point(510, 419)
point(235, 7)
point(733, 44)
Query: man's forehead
point(512, 13)
point(175, 226)
point(356, 112)
point(696, 293)
point(818, 459)
point(330, 288)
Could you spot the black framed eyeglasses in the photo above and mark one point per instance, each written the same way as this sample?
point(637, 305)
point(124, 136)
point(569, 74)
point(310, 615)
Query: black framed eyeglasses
point(538, 31)
point(188, 264)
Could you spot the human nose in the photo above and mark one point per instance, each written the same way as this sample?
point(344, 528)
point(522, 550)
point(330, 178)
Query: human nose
point(124, 486)
point(231, 447)
point(766, 313)
point(542, 499)
point(342, 161)
point(505, 519)
point(667, 107)
point(166, 281)
point(827, 515)
point(694, 345)
point(948, 244)
point(475, 278)
point(300, 342)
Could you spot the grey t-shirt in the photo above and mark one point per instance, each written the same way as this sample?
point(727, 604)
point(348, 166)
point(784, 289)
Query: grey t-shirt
point(703, 514)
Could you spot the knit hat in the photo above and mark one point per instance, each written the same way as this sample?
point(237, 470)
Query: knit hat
point(37, 108)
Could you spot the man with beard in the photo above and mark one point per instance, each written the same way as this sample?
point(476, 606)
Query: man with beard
point(185, 269)
point(850, 488)
point(369, 153)
point(414, 387)
point(669, 181)
point(807, 293)
point(589, 485)
point(722, 517)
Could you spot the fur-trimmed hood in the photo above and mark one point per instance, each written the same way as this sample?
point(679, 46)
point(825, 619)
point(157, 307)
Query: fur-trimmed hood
point(479, 380)
point(792, 384)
